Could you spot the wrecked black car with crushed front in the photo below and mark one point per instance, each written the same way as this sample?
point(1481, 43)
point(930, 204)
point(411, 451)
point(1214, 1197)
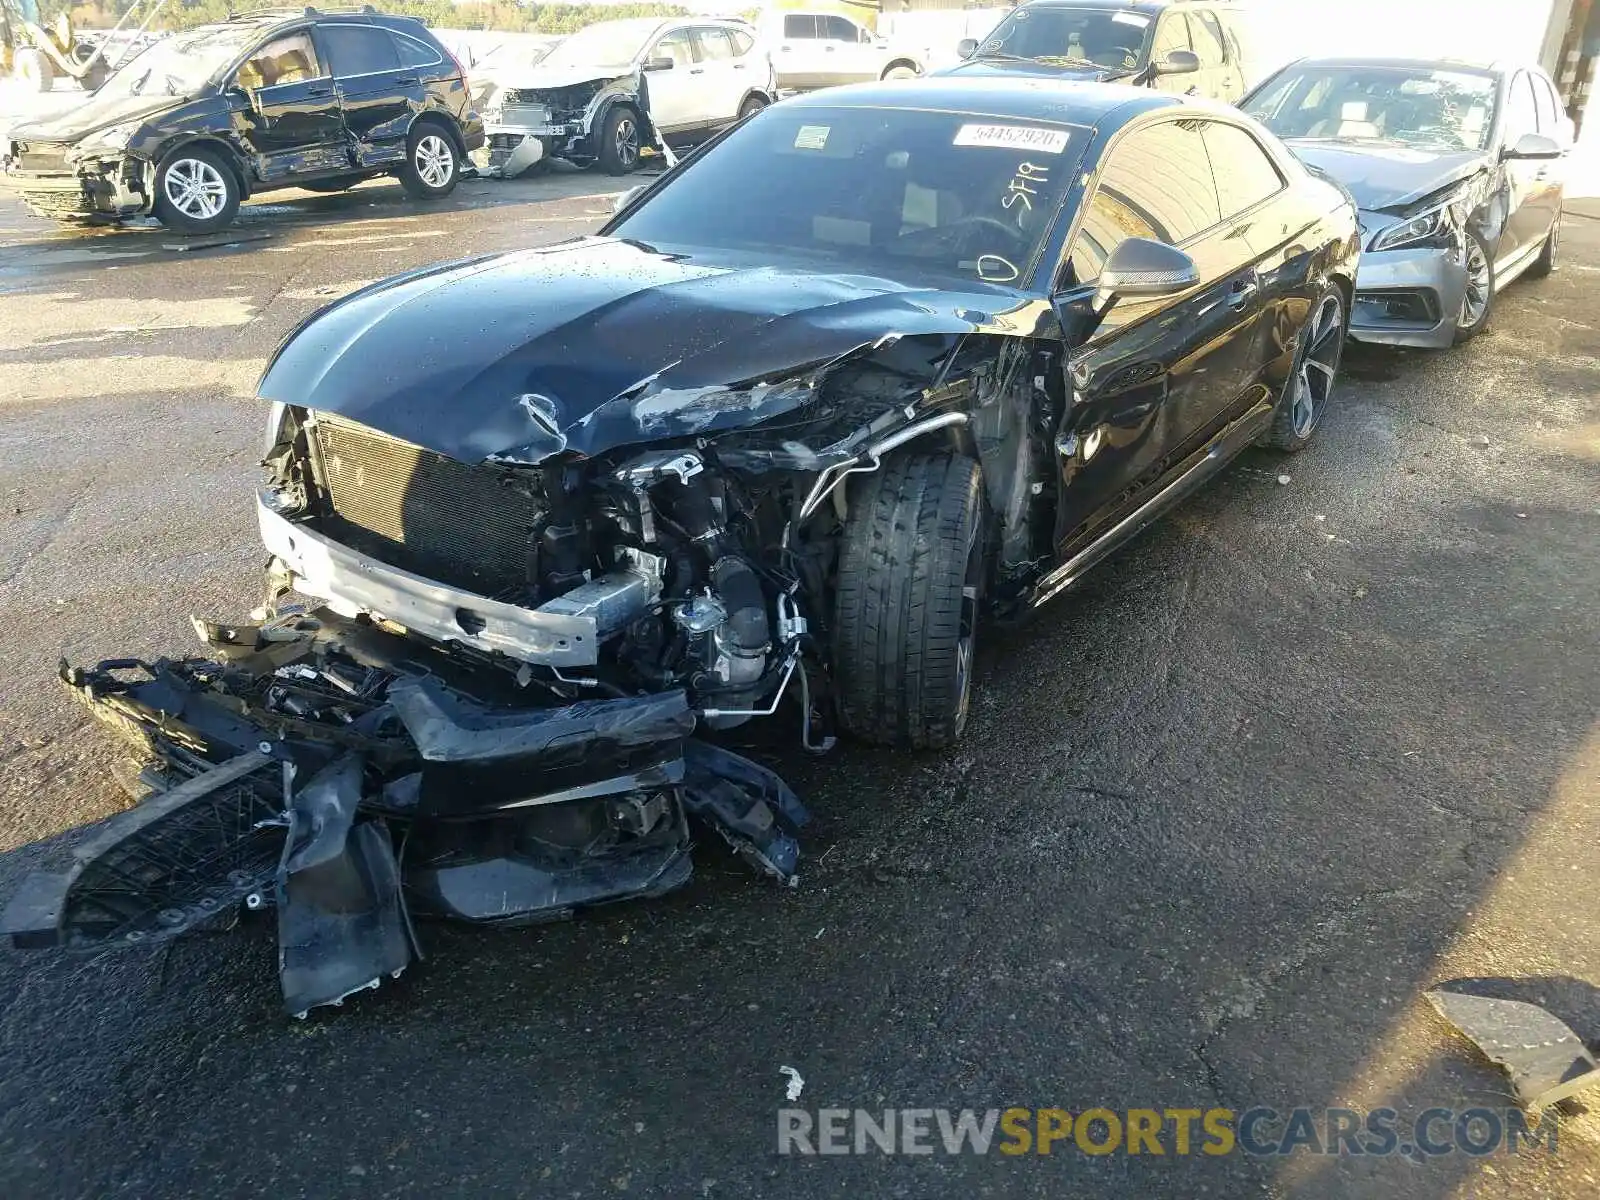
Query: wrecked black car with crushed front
point(880, 365)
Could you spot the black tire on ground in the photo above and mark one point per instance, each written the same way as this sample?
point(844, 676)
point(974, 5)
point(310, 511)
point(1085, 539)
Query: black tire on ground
point(95, 76)
point(1466, 331)
point(196, 191)
point(432, 165)
point(751, 106)
point(1319, 346)
point(911, 572)
point(33, 69)
point(326, 187)
point(618, 145)
point(1548, 262)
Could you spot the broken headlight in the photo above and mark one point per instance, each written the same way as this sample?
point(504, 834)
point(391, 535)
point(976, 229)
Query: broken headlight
point(1448, 212)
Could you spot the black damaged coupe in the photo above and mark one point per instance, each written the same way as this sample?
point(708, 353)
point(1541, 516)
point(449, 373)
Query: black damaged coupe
point(875, 367)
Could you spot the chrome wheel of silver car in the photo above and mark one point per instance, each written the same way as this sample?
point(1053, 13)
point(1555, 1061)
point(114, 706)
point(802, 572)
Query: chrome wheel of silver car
point(625, 141)
point(1480, 285)
point(435, 160)
point(195, 188)
point(1319, 365)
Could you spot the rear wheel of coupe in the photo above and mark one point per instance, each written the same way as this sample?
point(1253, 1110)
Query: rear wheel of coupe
point(1309, 388)
point(432, 166)
point(196, 191)
point(618, 149)
point(911, 571)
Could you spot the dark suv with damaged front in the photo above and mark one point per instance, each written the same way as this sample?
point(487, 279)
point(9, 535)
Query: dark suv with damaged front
point(208, 117)
point(878, 366)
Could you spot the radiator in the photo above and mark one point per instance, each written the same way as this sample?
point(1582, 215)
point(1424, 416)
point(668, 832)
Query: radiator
point(467, 526)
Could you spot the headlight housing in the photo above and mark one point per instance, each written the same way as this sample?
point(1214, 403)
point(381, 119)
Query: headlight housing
point(115, 138)
point(1425, 225)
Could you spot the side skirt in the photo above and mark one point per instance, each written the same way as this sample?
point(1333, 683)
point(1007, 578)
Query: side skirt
point(1199, 467)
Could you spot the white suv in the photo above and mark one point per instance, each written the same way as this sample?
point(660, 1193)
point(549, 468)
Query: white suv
point(821, 49)
point(617, 86)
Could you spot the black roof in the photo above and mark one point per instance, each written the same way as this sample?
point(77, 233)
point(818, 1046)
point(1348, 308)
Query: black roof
point(1019, 97)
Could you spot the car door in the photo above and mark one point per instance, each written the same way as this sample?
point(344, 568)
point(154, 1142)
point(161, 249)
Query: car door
point(287, 111)
point(378, 95)
point(678, 99)
point(751, 67)
point(1172, 33)
point(1526, 223)
point(798, 57)
point(1151, 383)
point(1220, 68)
point(1549, 178)
point(722, 84)
point(853, 48)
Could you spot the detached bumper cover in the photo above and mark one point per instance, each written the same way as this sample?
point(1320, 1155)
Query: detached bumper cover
point(318, 770)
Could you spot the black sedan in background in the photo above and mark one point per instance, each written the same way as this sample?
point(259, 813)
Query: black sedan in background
point(1455, 169)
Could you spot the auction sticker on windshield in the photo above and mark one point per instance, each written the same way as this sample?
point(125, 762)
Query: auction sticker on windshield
point(1013, 137)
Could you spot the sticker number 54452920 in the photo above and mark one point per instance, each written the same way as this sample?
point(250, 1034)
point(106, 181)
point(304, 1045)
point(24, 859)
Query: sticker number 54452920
point(1040, 139)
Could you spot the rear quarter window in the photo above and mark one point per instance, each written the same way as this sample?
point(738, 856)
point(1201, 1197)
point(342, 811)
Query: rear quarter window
point(414, 53)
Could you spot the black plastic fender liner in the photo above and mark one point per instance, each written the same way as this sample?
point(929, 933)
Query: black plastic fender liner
point(342, 924)
point(477, 759)
point(324, 811)
point(753, 809)
point(180, 858)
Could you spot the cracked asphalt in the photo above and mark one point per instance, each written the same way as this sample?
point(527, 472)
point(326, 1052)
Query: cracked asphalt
point(1301, 751)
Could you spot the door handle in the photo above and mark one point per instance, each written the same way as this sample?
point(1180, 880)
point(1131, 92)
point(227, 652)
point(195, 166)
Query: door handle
point(738, 66)
point(408, 80)
point(697, 70)
point(319, 91)
point(1242, 291)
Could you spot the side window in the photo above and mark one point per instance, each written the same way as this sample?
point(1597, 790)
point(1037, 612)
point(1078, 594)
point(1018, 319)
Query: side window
point(714, 42)
point(1172, 33)
point(287, 59)
point(799, 25)
point(742, 42)
point(1552, 119)
point(837, 29)
point(1157, 184)
point(1244, 174)
point(1207, 39)
point(359, 49)
point(414, 53)
point(676, 46)
point(1522, 114)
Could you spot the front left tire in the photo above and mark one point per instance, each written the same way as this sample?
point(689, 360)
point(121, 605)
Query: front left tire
point(196, 191)
point(912, 566)
point(618, 149)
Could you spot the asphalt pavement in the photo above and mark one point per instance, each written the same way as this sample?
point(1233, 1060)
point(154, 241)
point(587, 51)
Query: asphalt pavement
point(1327, 735)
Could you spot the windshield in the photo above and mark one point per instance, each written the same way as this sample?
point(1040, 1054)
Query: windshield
point(1100, 37)
point(895, 192)
point(1448, 110)
point(181, 64)
point(607, 44)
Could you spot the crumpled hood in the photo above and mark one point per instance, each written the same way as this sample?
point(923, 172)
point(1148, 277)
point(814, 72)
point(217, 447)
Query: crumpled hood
point(597, 343)
point(1383, 175)
point(93, 115)
point(537, 78)
point(1005, 68)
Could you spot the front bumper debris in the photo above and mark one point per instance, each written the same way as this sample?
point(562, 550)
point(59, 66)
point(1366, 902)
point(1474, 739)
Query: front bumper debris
point(355, 779)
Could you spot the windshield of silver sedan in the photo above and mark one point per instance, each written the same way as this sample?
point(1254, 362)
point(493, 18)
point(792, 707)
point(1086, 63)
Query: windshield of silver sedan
point(893, 192)
point(1422, 107)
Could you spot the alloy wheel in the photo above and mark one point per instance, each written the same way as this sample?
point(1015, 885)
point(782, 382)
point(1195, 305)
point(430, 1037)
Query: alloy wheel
point(435, 160)
point(195, 188)
point(1480, 280)
point(1313, 382)
point(626, 141)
